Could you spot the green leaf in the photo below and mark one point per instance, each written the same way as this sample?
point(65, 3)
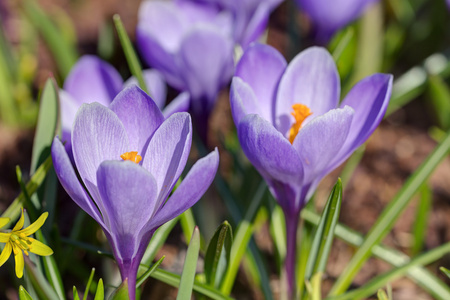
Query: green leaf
point(439, 93)
point(64, 53)
point(421, 220)
point(381, 280)
point(14, 209)
point(421, 276)
point(130, 54)
point(23, 294)
point(39, 283)
point(174, 280)
point(189, 268)
point(75, 294)
point(218, 251)
point(445, 271)
point(381, 294)
point(88, 285)
point(314, 287)
point(149, 272)
point(390, 215)
point(100, 293)
point(121, 293)
point(324, 235)
point(187, 223)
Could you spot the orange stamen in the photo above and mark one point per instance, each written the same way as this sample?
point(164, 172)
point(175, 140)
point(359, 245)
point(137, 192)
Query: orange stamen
point(131, 156)
point(300, 113)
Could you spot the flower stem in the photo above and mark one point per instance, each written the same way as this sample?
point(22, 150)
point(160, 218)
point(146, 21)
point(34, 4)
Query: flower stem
point(291, 251)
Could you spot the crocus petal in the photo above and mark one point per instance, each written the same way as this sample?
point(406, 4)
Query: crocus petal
point(39, 248)
point(155, 83)
point(6, 253)
point(206, 58)
point(369, 98)
point(261, 67)
point(66, 175)
point(19, 223)
point(269, 151)
point(35, 225)
point(167, 153)
point(310, 79)
point(98, 135)
point(129, 196)
point(18, 257)
point(256, 25)
point(243, 101)
point(93, 80)
point(139, 115)
point(318, 142)
point(179, 104)
point(190, 190)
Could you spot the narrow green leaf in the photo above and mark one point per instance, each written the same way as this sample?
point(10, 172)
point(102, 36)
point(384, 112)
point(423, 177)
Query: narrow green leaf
point(421, 220)
point(379, 281)
point(339, 46)
point(130, 54)
point(121, 293)
point(187, 223)
point(64, 53)
point(439, 93)
point(13, 211)
point(421, 276)
point(100, 293)
point(314, 287)
point(381, 294)
point(47, 125)
point(75, 294)
point(149, 272)
point(390, 215)
point(51, 270)
point(219, 247)
point(88, 285)
point(39, 283)
point(189, 268)
point(241, 239)
point(324, 235)
point(23, 294)
point(8, 108)
point(174, 280)
point(445, 271)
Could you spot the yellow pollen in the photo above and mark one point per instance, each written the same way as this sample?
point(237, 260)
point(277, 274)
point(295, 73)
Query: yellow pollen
point(131, 156)
point(300, 113)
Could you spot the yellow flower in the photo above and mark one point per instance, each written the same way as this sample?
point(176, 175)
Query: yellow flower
point(17, 241)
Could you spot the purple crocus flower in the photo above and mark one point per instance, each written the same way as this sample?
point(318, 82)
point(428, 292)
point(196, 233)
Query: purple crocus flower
point(94, 80)
point(328, 16)
point(192, 45)
point(293, 129)
point(129, 159)
point(250, 17)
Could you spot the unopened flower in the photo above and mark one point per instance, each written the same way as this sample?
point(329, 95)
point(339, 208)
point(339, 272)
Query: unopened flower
point(18, 242)
point(328, 16)
point(292, 127)
point(129, 158)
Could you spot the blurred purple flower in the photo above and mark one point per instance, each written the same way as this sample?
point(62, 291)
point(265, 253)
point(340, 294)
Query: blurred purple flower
point(328, 16)
point(129, 197)
point(192, 45)
point(94, 80)
point(250, 17)
point(293, 129)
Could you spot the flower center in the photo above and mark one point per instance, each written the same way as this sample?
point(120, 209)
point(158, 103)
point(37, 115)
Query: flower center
point(300, 113)
point(21, 241)
point(131, 156)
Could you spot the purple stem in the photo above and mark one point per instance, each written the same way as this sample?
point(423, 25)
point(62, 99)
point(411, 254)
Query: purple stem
point(292, 220)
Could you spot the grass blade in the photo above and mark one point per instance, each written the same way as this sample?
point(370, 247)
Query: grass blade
point(421, 276)
point(149, 272)
point(379, 281)
point(23, 294)
point(421, 220)
point(445, 271)
point(100, 293)
point(390, 215)
point(189, 268)
point(324, 235)
point(39, 283)
point(88, 285)
point(219, 246)
point(130, 54)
